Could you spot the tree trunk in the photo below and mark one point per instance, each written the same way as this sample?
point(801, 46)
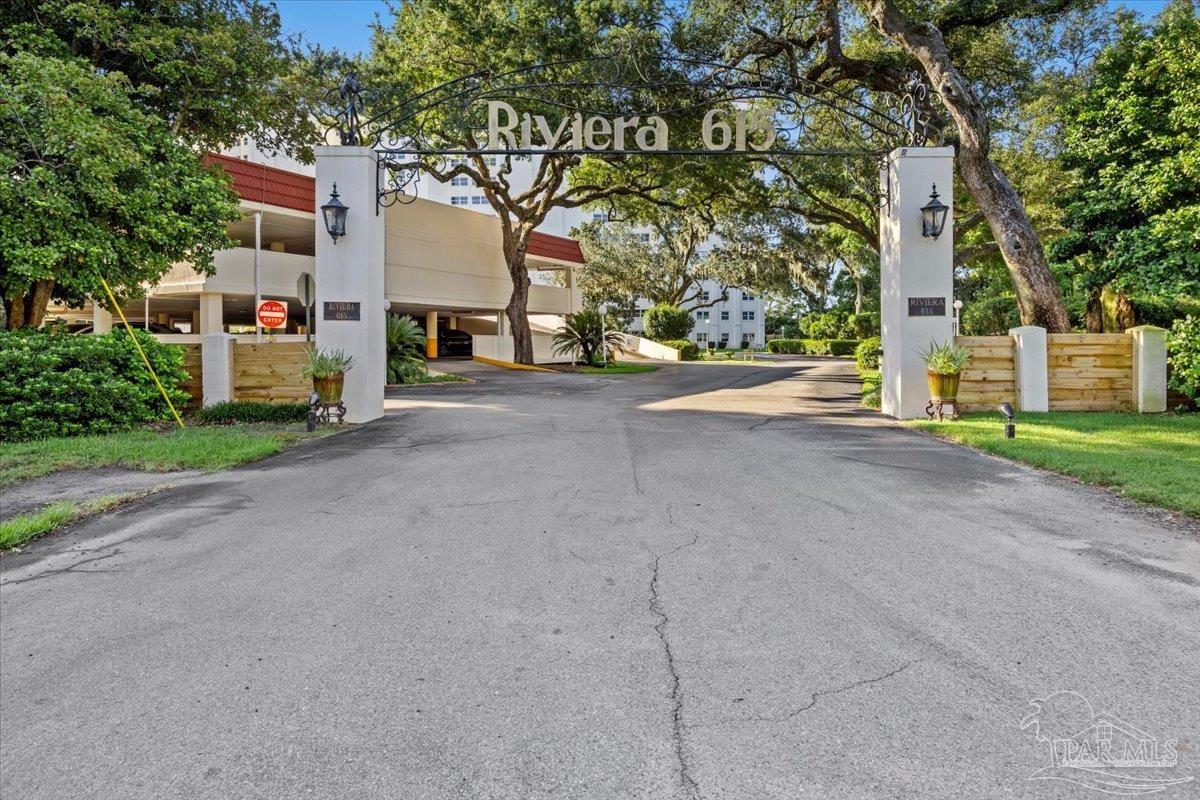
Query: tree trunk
point(1093, 317)
point(517, 309)
point(28, 309)
point(858, 293)
point(1038, 296)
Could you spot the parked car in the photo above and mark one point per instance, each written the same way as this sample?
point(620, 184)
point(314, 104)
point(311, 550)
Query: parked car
point(155, 327)
point(454, 343)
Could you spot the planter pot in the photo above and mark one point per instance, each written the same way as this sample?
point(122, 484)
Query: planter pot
point(329, 389)
point(943, 388)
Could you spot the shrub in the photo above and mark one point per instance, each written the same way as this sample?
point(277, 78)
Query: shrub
point(667, 322)
point(250, 411)
point(865, 325)
point(586, 333)
point(811, 347)
point(688, 351)
point(867, 355)
point(1183, 357)
point(842, 347)
point(405, 341)
point(1163, 311)
point(827, 325)
point(54, 383)
point(992, 316)
point(872, 384)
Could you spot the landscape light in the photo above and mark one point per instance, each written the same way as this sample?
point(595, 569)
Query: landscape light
point(1010, 427)
point(933, 216)
point(335, 216)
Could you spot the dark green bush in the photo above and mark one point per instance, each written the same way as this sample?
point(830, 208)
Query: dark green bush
point(991, 316)
point(1163, 311)
point(1183, 357)
point(664, 321)
point(813, 347)
point(54, 383)
point(251, 411)
point(842, 347)
point(867, 355)
point(865, 325)
point(827, 325)
point(688, 351)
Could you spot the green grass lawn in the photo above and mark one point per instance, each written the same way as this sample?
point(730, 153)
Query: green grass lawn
point(196, 447)
point(20, 529)
point(1152, 458)
point(618, 368)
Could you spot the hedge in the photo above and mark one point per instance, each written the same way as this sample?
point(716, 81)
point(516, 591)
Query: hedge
point(813, 347)
point(54, 383)
point(1183, 357)
point(688, 351)
point(665, 321)
point(251, 411)
point(868, 354)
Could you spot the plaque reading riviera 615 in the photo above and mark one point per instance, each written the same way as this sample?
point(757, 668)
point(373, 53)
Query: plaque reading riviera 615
point(342, 310)
point(927, 306)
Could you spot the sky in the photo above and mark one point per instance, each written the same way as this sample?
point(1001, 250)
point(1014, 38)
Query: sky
point(345, 24)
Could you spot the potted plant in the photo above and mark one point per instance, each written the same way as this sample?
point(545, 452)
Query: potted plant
point(944, 365)
point(327, 368)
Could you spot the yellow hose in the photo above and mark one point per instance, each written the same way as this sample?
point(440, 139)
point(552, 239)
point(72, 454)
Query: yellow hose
point(141, 352)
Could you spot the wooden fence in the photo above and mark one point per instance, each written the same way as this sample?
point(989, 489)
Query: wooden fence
point(191, 363)
point(1090, 371)
point(989, 379)
point(270, 372)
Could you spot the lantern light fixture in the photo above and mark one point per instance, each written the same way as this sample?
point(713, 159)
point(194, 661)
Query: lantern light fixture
point(933, 216)
point(334, 213)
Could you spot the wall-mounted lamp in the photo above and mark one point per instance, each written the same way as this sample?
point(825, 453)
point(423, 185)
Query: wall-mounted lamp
point(1010, 427)
point(335, 216)
point(933, 216)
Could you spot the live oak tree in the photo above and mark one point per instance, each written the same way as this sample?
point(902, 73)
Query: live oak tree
point(94, 185)
point(433, 41)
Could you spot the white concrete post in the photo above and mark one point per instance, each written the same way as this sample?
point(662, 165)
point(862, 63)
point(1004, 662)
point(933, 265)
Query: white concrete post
point(1149, 368)
point(453, 324)
point(1031, 368)
point(102, 321)
point(212, 313)
point(349, 274)
point(431, 334)
point(216, 367)
point(916, 273)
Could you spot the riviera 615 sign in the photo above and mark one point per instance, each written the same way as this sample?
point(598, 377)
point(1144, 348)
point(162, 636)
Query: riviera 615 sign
point(732, 131)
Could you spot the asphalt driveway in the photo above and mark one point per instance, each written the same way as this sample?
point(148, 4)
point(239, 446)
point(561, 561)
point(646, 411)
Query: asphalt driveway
point(716, 581)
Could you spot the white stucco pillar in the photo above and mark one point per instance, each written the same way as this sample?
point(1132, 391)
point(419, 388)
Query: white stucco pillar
point(216, 367)
point(212, 313)
point(1149, 368)
point(916, 273)
point(349, 277)
point(453, 324)
point(1031, 368)
point(102, 321)
point(431, 334)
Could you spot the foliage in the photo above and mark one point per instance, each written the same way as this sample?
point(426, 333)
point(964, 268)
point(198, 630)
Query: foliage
point(871, 388)
point(1163, 311)
point(24, 527)
point(865, 324)
point(615, 368)
point(843, 347)
point(586, 332)
point(868, 354)
point(1133, 141)
point(405, 341)
point(1148, 457)
point(991, 316)
point(53, 383)
point(94, 185)
point(802, 347)
point(326, 362)
point(827, 325)
point(1183, 357)
point(234, 411)
point(688, 351)
point(946, 358)
point(663, 322)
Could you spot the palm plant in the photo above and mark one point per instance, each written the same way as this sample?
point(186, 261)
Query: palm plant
point(405, 348)
point(945, 359)
point(325, 363)
point(585, 332)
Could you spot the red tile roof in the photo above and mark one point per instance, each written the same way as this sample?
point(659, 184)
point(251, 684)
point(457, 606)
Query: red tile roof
point(258, 183)
point(559, 247)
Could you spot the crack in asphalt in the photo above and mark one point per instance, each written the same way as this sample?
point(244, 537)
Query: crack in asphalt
point(69, 568)
point(690, 787)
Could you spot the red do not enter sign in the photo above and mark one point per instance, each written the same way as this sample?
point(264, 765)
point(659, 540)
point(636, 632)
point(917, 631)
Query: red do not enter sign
point(272, 314)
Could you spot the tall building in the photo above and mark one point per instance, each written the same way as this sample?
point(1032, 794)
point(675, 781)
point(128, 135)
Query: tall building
point(730, 322)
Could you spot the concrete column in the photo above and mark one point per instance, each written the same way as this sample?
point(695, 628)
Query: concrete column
point(196, 321)
point(916, 273)
point(453, 322)
point(1149, 368)
point(216, 364)
point(500, 322)
point(102, 321)
point(349, 274)
point(212, 313)
point(1031, 367)
point(431, 334)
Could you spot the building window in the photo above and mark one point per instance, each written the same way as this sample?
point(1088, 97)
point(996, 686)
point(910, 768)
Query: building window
point(701, 338)
point(599, 216)
point(490, 161)
point(460, 180)
point(644, 238)
point(724, 316)
point(702, 315)
point(749, 337)
point(478, 200)
point(704, 297)
point(724, 338)
point(458, 200)
point(747, 316)
point(747, 297)
point(458, 161)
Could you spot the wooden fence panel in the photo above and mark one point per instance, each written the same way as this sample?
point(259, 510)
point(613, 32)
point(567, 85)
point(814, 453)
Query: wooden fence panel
point(989, 378)
point(1090, 371)
point(271, 371)
point(194, 385)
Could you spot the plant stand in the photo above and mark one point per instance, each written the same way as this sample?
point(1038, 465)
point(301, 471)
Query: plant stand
point(325, 412)
point(936, 408)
